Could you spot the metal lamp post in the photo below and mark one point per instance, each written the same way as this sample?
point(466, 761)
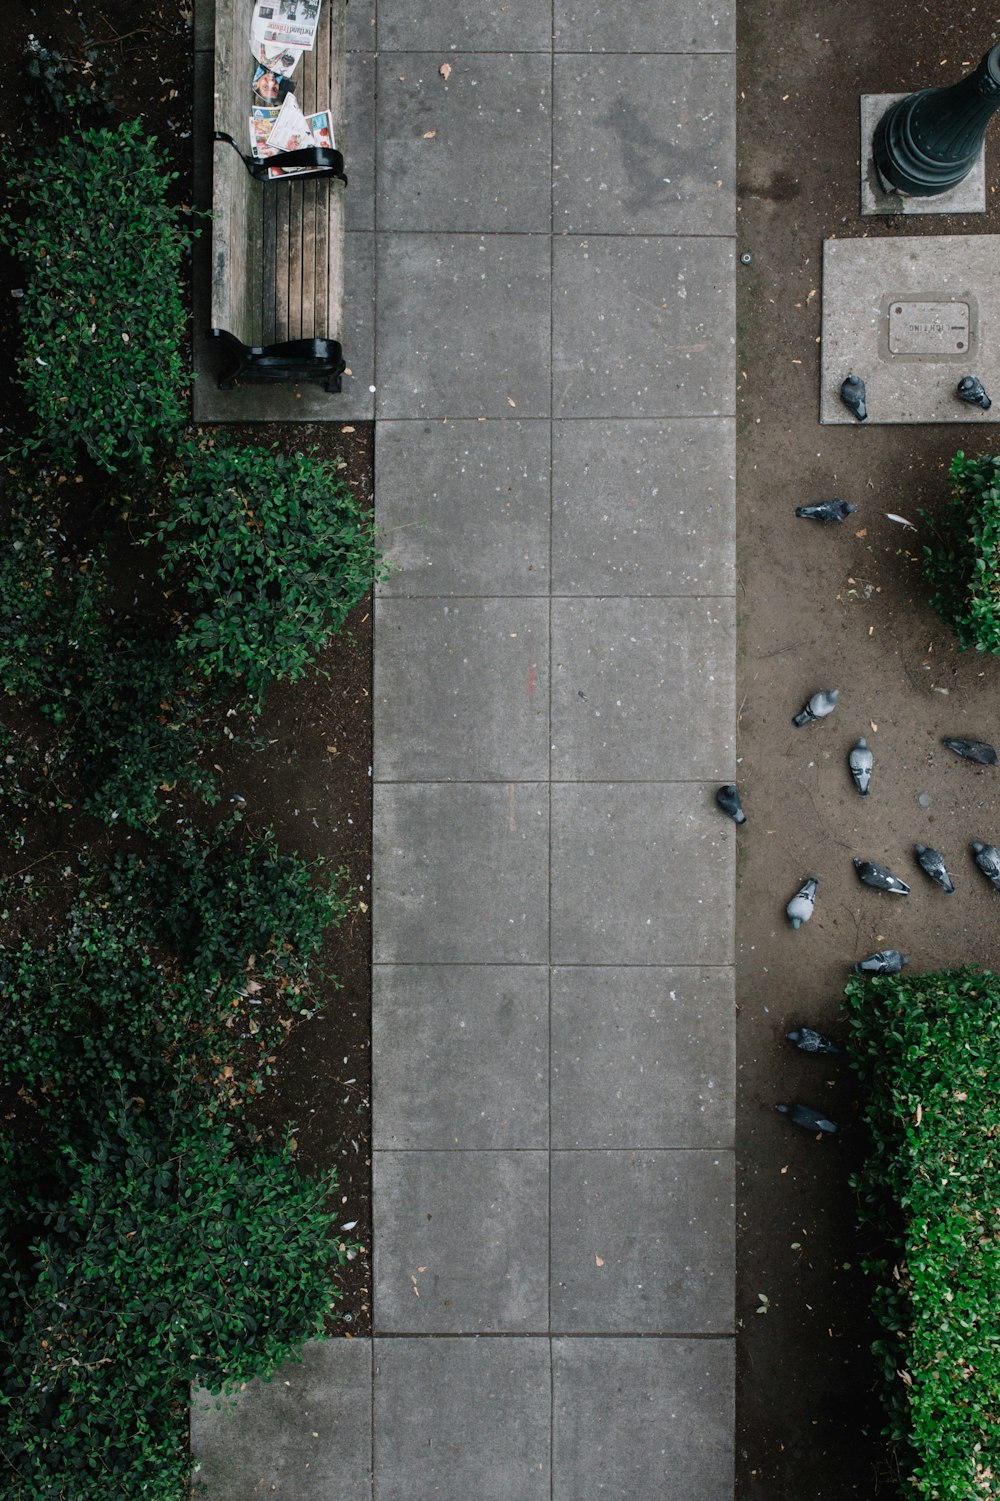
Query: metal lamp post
point(929, 141)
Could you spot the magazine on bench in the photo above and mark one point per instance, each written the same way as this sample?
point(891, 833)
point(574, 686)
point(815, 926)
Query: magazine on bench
point(288, 129)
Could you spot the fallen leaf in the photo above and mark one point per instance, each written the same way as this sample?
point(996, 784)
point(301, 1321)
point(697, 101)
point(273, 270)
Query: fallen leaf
point(445, 71)
point(428, 135)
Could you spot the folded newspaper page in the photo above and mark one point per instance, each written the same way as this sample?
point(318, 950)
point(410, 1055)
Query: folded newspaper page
point(293, 131)
point(284, 23)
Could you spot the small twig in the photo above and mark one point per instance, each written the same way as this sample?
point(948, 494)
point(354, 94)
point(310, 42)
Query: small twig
point(51, 854)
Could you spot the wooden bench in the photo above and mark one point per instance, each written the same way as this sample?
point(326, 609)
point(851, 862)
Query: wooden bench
point(277, 243)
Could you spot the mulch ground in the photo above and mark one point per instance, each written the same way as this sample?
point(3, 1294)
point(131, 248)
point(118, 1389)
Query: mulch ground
point(832, 607)
point(312, 781)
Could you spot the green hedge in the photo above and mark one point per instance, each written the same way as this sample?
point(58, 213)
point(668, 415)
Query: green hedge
point(962, 565)
point(273, 551)
point(147, 1239)
point(103, 314)
point(925, 1048)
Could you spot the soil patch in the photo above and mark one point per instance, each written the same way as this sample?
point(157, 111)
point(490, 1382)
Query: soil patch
point(824, 607)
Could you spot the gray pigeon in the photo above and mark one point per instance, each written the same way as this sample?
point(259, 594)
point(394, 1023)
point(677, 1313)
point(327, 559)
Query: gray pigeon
point(860, 761)
point(973, 750)
point(988, 860)
point(827, 510)
point(808, 1041)
point(809, 1119)
point(878, 876)
point(971, 389)
point(819, 706)
point(885, 962)
point(728, 800)
point(931, 862)
point(803, 903)
point(852, 394)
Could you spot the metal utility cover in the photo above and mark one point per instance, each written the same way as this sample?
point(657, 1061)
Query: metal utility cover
point(930, 330)
point(911, 316)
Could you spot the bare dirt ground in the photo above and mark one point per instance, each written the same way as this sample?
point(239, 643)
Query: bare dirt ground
point(840, 607)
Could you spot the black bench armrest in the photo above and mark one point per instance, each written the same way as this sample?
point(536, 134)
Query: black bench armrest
point(321, 160)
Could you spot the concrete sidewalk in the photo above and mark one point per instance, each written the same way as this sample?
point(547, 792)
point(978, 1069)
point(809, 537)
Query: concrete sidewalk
point(550, 240)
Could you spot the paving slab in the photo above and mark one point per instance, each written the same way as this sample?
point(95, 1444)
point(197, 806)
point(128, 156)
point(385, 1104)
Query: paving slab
point(463, 325)
point(362, 30)
point(677, 1441)
point(642, 873)
point(911, 315)
point(461, 690)
point(359, 141)
point(463, 507)
point(644, 26)
point(644, 507)
point(468, 152)
point(461, 873)
point(463, 1242)
point(305, 1435)
point(460, 1056)
point(643, 145)
point(462, 1418)
point(643, 327)
point(514, 26)
point(643, 1057)
point(643, 1242)
point(643, 689)
point(286, 402)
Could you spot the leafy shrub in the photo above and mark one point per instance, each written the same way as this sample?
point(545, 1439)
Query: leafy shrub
point(273, 550)
point(102, 316)
point(963, 565)
point(131, 719)
point(143, 1263)
point(59, 86)
point(171, 981)
point(925, 1049)
point(145, 1239)
point(47, 597)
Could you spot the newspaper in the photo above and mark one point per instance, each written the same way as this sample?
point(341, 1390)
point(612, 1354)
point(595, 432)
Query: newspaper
point(280, 60)
point(284, 23)
point(288, 129)
point(262, 118)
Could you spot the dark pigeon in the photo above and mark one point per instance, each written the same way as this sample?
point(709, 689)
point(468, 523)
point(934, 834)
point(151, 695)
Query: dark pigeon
point(728, 800)
point(827, 510)
point(972, 390)
point(885, 962)
point(852, 394)
point(803, 903)
point(861, 761)
point(931, 862)
point(819, 706)
point(808, 1041)
point(809, 1119)
point(988, 860)
point(878, 876)
point(973, 750)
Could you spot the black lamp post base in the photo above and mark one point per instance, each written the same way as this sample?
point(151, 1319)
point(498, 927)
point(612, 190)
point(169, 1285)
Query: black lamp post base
point(969, 197)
